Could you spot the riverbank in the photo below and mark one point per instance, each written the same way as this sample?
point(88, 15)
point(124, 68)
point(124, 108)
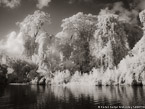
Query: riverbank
point(94, 78)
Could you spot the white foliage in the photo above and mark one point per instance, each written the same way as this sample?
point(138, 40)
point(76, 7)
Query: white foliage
point(110, 44)
point(79, 22)
point(33, 23)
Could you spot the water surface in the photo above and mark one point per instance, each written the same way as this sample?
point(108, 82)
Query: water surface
point(72, 97)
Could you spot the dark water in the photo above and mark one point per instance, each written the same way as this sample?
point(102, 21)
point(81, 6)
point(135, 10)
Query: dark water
point(58, 97)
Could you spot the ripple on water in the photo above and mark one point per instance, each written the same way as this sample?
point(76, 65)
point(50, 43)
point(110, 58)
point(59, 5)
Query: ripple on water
point(70, 97)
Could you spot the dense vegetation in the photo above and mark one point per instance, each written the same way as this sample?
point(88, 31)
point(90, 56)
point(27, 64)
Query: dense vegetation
point(90, 49)
point(3, 71)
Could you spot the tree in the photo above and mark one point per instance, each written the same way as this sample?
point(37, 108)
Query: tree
point(32, 27)
point(134, 33)
point(110, 41)
point(132, 67)
point(3, 72)
point(48, 54)
point(78, 30)
point(21, 69)
point(38, 43)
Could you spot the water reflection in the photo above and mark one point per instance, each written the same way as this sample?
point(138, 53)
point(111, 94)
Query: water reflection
point(70, 97)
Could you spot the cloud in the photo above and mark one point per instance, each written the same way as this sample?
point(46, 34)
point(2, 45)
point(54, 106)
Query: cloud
point(14, 45)
point(138, 4)
point(10, 3)
point(127, 14)
point(42, 3)
point(16, 3)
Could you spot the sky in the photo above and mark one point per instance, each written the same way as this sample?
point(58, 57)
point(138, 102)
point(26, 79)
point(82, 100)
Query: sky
point(12, 11)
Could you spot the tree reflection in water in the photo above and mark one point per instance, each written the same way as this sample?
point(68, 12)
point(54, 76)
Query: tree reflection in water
point(110, 95)
point(70, 97)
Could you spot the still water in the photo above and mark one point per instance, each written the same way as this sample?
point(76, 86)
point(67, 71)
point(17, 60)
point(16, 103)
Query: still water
point(72, 97)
